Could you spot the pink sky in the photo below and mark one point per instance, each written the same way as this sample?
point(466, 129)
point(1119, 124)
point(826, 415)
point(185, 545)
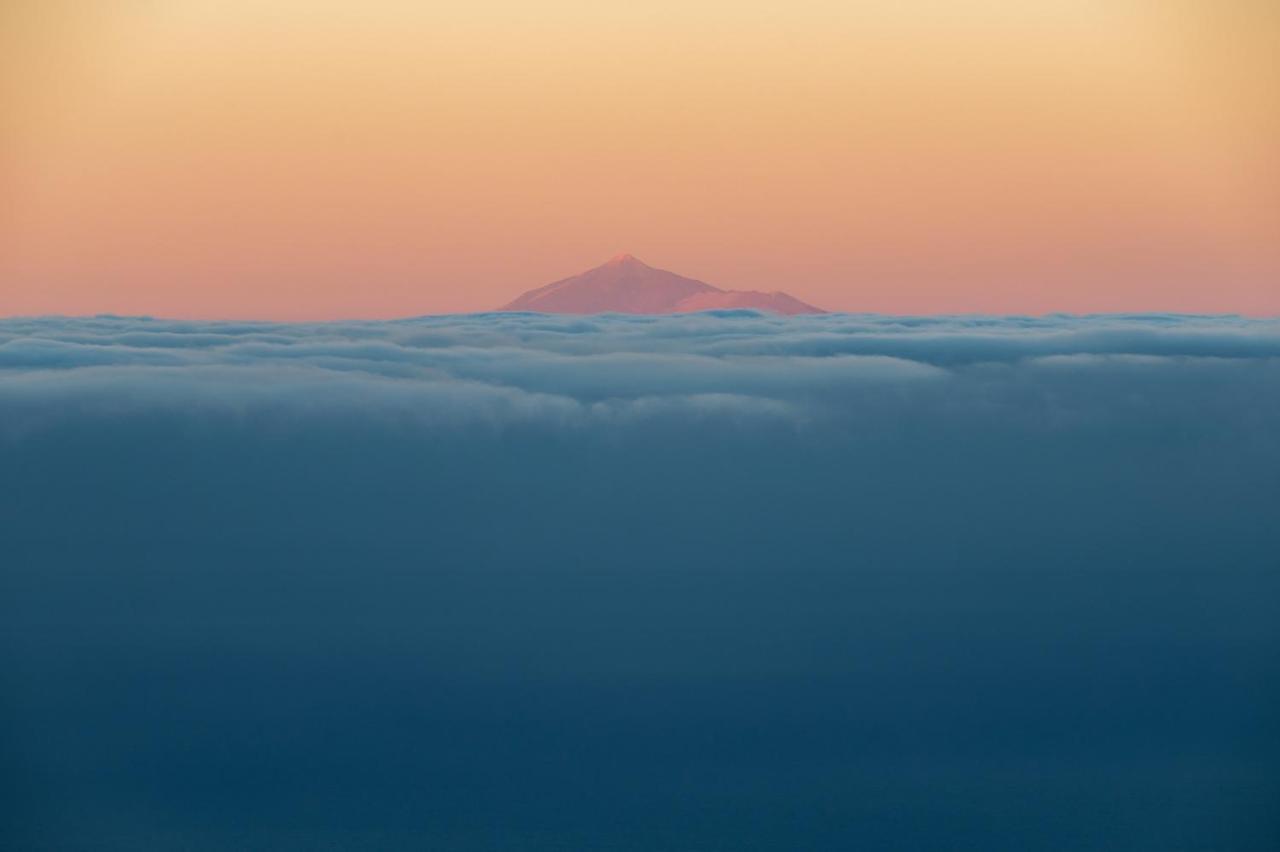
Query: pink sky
point(327, 159)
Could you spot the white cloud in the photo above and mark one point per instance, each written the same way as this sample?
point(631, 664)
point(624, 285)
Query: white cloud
point(450, 372)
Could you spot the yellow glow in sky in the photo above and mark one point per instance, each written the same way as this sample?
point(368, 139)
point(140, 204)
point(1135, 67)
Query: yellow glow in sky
point(324, 159)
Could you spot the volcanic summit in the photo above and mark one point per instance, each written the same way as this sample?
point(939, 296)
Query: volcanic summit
point(627, 285)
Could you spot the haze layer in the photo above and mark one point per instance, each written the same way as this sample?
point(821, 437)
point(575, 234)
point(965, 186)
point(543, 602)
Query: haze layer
point(327, 159)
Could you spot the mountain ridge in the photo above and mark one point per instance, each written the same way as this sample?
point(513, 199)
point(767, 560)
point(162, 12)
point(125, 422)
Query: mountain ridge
point(625, 284)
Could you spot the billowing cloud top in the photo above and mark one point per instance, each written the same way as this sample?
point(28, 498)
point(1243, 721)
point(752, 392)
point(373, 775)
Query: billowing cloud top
point(508, 369)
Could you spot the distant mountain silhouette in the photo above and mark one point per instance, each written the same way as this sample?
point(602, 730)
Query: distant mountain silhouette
point(775, 301)
point(626, 285)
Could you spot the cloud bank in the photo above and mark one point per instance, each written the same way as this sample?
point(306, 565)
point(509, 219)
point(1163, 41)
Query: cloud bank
point(512, 369)
point(723, 580)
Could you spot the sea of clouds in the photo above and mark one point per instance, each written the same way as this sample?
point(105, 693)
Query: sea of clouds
point(512, 370)
point(710, 581)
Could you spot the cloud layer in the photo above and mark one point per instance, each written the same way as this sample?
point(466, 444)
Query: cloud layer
point(516, 581)
point(509, 369)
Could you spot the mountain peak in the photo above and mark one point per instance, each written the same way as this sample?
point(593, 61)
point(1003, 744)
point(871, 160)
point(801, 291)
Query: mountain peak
point(625, 284)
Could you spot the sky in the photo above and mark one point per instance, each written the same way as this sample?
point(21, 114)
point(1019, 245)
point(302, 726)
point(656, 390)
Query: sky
point(282, 159)
point(510, 582)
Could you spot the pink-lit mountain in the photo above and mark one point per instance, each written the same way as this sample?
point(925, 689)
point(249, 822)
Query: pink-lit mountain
point(625, 285)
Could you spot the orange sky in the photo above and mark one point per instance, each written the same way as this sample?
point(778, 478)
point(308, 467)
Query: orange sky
point(318, 158)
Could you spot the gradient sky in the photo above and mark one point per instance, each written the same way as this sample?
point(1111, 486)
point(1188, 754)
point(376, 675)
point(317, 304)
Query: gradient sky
point(320, 159)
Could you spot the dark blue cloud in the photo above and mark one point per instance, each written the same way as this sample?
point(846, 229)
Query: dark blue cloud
point(519, 581)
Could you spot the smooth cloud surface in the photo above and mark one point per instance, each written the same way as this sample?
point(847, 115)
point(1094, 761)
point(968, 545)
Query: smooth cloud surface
point(725, 580)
